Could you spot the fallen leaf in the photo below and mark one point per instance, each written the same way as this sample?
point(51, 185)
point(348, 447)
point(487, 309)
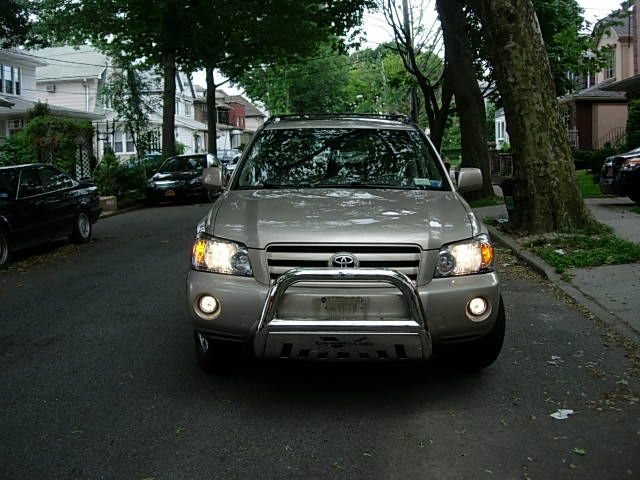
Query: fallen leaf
point(579, 451)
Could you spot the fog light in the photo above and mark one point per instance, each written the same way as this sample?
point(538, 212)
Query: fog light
point(477, 306)
point(208, 304)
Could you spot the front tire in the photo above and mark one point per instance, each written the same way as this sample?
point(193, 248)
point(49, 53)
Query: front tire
point(5, 248)
point(82, 228)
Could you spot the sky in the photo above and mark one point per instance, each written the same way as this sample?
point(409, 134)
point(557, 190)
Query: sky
point(377, 30)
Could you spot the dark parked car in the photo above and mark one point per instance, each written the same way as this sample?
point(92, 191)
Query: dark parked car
point(180, 178)
point(229, 158)
point(620, 175)
point(40, 203)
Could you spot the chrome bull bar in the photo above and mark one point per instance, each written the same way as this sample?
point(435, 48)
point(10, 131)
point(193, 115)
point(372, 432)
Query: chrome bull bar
point(408, 338)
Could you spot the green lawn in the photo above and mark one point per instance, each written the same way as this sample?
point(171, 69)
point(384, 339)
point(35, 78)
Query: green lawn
point(588, 187)
point(636, 209)
point(585, 250)
point(486, 202)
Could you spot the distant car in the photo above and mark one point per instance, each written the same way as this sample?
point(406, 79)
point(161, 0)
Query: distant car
point(40, 203)
point(620, 175)
point(226, 155)
point(180, 178)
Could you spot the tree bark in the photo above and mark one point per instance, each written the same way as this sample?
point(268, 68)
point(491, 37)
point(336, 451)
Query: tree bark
point(469, 100)
point(212, 112)
point(546, 194)
point(169, 105)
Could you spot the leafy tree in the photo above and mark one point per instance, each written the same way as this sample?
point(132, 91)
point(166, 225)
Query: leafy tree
point(546, 193)
point(14, 23)
point(416, 43)
point(633, 125)
point(47, 138)
point(126, 91)
point(315, 85)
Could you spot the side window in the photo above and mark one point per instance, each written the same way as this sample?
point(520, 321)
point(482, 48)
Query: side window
point(29, 183)
point(53, 179)
point(8, 183)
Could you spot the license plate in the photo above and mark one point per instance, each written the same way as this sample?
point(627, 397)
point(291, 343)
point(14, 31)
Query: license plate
point(169, 193)
point(344, 307)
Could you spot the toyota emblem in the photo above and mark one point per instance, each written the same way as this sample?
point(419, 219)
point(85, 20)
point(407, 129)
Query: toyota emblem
point(343, 260)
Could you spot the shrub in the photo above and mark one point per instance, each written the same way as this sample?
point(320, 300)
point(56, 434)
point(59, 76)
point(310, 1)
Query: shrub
point(633, 125)
point(115, 178)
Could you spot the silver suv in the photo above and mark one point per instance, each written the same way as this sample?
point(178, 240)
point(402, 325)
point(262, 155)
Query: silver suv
point(342, 237)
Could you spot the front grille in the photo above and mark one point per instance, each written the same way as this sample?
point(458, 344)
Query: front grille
point(404, 259)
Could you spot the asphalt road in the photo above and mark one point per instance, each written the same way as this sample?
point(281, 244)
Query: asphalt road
point(99, 380)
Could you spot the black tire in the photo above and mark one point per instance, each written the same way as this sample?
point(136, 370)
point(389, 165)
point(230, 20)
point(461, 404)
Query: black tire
point(215, 356)
point(479, 354)
point(5, 248)
point(82, 228)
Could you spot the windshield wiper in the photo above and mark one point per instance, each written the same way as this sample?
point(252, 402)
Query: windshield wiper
point(361, 185)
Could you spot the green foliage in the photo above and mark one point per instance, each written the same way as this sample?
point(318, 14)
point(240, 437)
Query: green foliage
point(181, 148)
point(367, 81)
point(115, 178)
point(505, 148)
point(633, 125)
point(14, 22)
point(18, 149)
point(588, 185)
point(636, 209)
point(593, 159)
point(585, 250)
point(125, 93)
point(49, 139)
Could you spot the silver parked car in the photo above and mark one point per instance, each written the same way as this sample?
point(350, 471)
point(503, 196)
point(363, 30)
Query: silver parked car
point(343, 238)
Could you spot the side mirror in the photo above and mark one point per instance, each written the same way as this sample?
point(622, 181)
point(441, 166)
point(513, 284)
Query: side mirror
point(212, 179)
point(469, 179)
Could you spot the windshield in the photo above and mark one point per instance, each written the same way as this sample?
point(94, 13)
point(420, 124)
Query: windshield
point(182, 164)
point(341, 157)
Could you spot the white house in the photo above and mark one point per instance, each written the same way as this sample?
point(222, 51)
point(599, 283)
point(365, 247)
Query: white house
point(74, 77)
point(19, 92)
point(502, 136)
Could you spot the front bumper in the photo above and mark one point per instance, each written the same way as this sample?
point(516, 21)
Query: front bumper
point(400, 321)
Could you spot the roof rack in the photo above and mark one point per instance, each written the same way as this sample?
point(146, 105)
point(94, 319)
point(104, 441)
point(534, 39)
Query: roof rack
point(320, 116)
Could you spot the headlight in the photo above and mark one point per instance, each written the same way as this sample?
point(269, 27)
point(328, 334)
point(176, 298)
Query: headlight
point(151, 184)
point(194, 181)
point(465, 258)
point(220, 256)
point(631, 164)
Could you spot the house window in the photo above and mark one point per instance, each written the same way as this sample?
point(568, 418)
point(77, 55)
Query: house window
point(10, 79)
point(123, 143)
point(178, 106)
point(7, 77)
point(610, 68)
point(187, 109)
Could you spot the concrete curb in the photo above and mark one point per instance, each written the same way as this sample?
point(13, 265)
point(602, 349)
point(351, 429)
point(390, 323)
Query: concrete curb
point(113, 213)
point(587, 301)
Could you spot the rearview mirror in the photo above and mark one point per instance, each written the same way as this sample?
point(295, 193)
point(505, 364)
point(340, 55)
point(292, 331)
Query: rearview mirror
point(469, 179)
point(212, 179)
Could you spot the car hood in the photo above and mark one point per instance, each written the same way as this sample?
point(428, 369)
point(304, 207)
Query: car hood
point(258, 218)
point(184, 175)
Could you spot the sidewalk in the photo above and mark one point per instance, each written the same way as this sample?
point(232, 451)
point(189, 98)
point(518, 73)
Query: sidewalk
point(610, 292)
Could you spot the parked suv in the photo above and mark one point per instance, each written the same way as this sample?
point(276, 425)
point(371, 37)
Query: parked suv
point(343, 238)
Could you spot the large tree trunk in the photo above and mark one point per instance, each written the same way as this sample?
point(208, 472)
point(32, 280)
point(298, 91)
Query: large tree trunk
point(212, 112)
point(546, 193)
point(169, 105)
point(469, 100)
